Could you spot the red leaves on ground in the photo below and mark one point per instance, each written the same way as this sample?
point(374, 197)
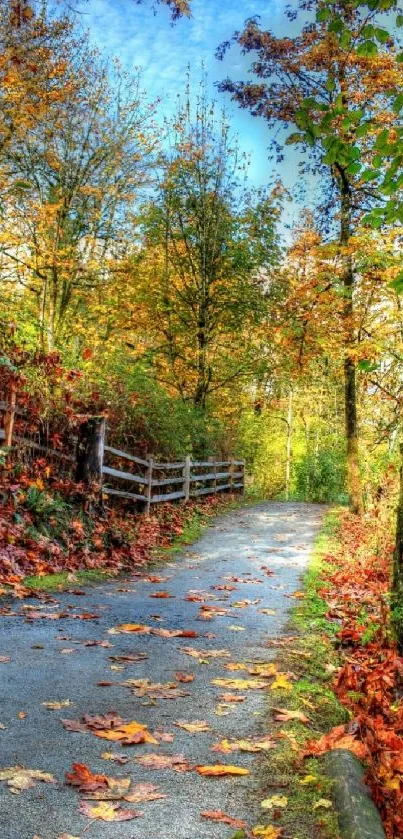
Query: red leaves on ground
point(121, 540)
point(369, 682)
point(84, 779)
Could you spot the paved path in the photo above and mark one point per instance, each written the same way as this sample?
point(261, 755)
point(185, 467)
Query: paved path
point(50, 662)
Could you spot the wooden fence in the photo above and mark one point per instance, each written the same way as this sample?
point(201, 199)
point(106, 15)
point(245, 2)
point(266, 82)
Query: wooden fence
point(154, 483)
point(124, 475)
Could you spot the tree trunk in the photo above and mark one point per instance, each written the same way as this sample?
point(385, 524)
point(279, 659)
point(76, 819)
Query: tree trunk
point(397, 577)
point(90, 451)
point(350, 390)
point(288, 447)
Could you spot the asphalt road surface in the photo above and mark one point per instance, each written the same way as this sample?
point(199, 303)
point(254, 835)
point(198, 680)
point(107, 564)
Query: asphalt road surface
point(51, 662)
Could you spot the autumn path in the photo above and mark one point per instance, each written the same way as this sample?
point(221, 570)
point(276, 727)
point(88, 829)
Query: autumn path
point(51, 662)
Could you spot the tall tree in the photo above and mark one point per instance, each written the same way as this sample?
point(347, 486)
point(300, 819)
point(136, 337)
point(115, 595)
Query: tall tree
point(210, 245)
point(77, 171)
point(332, 86)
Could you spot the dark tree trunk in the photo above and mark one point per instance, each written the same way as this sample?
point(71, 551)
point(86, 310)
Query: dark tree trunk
point(397, 577)
point(350, 388)
point(90, 451)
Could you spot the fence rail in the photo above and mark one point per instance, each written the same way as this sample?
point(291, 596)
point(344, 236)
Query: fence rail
point(122, 474)
point(180, 480)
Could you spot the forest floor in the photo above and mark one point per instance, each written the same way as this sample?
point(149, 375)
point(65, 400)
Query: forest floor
point(192, 641)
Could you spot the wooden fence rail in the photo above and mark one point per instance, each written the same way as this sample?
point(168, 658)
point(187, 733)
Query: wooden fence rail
point(180, 480)
point(122, 474)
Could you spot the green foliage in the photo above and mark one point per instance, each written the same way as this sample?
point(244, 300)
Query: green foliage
point(321, 476)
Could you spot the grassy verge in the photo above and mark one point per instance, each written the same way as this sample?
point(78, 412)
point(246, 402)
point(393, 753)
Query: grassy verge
point(310, 655)
point(65, 580)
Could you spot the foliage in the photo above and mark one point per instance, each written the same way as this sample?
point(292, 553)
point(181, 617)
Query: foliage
point(320, 476)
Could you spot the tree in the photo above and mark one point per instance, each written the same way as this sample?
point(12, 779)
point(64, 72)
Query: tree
point(77, 172)
point(208, 249)
point(333, 85)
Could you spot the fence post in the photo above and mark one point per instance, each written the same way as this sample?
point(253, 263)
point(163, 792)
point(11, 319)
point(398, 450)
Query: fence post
point(90, 450)
point(9, 416)
point(186, 477)
point(149, 485)
point(231, 474)
point(243, 478)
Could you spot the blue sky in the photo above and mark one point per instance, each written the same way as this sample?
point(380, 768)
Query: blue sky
point(144, 39)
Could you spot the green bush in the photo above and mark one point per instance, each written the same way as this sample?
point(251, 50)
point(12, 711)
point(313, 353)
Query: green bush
point(321, 477)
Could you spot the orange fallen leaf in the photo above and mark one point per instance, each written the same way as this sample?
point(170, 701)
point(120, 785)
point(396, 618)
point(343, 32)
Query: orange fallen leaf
point(219, 816)
point(231, 697)
point(284, 715)
point(84, 779)
point(128, 734)
point(140, 628)
point(181, 676)
point(219, 770)
point(161, 595)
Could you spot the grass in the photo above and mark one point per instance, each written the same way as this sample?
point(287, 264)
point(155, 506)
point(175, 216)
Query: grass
point(66, 579)
point(311, 656)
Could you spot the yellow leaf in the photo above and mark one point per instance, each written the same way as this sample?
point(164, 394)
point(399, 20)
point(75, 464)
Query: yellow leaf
point(267, 832)
point(132, 732)
point(239, 684)
point(323, 802)
point(274, 801)
point(196, 727)
point(281, 683)
point(218, 770)
point(309, 779)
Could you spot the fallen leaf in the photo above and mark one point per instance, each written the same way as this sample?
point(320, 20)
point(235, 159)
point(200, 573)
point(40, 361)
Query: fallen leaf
point(205, 653)
point(253, 744)
point(4, 659)
point(108, 812)
point(18, 778)
point(195, 727)
point(267, 831)
point(284, 715)
point(232, 697)
point(56, 706)
point(117, 758)
point(161, 595)
point(281, 683)
point(219, 816)
point(240, 684)
point(144, 792)
point(84, 779)
point(219, 770)
point(309, 779)
point(128, 734)
point(139, 628)
point(181, 676)
point(274, 801)
point(155, 761)
point(322, 802)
